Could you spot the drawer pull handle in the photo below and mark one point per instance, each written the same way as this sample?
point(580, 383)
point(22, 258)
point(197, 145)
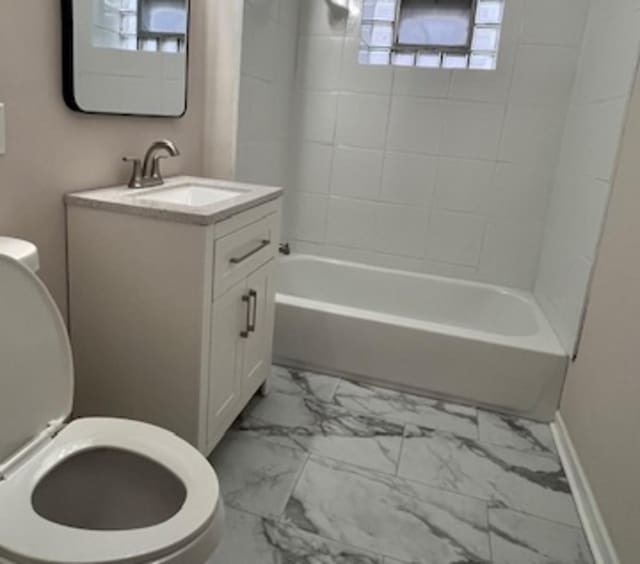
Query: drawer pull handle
point(237, 260)
point(253, 297)
point(245, 333)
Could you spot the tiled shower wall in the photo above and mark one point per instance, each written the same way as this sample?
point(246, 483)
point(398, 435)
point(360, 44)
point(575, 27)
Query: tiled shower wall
point(446, 172)
point(587, 161)
point(266, 90)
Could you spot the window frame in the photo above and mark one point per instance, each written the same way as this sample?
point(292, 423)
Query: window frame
point(460, 49)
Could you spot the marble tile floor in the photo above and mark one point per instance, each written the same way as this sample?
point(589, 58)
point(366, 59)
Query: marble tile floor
point(325, 471)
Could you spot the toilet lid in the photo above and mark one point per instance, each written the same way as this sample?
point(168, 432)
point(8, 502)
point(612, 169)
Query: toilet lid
point(36, 367)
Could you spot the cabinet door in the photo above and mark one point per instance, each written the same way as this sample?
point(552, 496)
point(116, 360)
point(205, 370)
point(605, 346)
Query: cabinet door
point(228, 320)
point(259, 343)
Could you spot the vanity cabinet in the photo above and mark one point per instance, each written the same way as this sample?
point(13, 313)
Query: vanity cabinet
point(171, 320)
point(241, 343)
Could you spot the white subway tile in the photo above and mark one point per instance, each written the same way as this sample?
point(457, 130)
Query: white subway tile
point(310, 216)
point(317, 112)
point(351, 223)
point(464, 185)
point(593, 135)
point(610, 50)
point(563, 298)
point(311, 167)
point(362, 120)
point(423, 82)
point(455, 237)
point(319, 61)
point(577, 211)
point(472, 130)
point(452, 175)
point(520, 192)
point(415, 125)
point(543, 74)
point(510, 253)
point(554, 22)
point(408, 178)
point(401, 230)
point(356, 172)
point(532, 134)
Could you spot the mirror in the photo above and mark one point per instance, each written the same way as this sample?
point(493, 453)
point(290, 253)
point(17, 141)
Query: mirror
point(126, 56)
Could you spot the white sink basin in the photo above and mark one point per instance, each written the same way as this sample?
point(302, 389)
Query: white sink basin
point(188, 196)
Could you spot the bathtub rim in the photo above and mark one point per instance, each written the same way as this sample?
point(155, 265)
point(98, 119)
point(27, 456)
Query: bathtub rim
point(544, 340)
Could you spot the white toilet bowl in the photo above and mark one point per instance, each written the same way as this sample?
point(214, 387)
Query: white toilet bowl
point(96, 490)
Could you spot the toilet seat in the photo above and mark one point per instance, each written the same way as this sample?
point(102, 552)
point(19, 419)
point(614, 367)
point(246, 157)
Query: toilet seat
point(36, 374)
point(26, 537)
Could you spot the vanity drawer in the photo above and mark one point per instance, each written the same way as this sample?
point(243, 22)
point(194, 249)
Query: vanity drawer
point(241, 252)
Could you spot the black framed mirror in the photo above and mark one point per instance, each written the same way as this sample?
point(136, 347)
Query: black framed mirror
point(126, 57)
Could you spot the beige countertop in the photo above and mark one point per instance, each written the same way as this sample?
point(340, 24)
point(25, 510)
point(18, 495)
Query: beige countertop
point(134, 201)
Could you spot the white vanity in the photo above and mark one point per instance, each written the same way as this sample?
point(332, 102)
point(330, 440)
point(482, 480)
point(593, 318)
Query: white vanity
point(172, 295)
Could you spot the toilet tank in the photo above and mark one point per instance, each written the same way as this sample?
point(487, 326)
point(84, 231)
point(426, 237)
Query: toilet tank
point(22, 251)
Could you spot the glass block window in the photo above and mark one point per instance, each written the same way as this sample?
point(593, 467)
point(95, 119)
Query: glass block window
point(453, 34)
point(140, 25)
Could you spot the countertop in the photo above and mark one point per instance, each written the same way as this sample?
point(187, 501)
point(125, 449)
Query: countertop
point(132, 201)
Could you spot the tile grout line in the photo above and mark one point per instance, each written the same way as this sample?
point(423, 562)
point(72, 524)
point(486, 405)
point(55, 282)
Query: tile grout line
point(280, 521)
point(295, 485)
point(489, 535)
point(400, 451)
point(357, 469)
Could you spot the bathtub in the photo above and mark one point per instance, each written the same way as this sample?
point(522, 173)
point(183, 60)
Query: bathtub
point(464, 341)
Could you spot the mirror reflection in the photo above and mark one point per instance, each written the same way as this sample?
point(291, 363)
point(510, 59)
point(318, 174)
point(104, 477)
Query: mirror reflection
point(140, 25)
point(126, 56)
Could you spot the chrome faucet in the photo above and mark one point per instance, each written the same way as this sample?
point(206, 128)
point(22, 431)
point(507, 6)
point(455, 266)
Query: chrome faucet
point(147, 173)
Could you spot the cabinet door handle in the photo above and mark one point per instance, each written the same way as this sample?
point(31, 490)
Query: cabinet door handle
point(245, 333)
point(253, 297)
point(237, 260)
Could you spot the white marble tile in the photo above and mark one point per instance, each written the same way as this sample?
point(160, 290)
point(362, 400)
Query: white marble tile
point(325, 429)
point(528, 540)
point(256, 475)
point(298, 382)
point(254, 540)
point(407, 408)
point(405, 521)
point(506, 477)
point(519, 434)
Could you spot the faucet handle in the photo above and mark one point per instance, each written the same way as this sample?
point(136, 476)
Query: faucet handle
point(136, 174)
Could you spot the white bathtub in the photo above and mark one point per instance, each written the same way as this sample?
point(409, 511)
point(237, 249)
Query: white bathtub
point(470, 342)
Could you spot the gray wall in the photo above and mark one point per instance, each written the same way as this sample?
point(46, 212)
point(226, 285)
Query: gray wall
point(52, 150)
point(601, 399)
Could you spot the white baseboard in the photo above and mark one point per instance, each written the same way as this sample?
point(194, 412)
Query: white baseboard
point(595, 529)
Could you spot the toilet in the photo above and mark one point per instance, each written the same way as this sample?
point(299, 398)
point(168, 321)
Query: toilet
point(95, 490)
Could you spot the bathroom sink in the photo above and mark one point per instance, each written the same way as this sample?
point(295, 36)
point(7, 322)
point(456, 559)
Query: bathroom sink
point(185, 199)
point(189, 196)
